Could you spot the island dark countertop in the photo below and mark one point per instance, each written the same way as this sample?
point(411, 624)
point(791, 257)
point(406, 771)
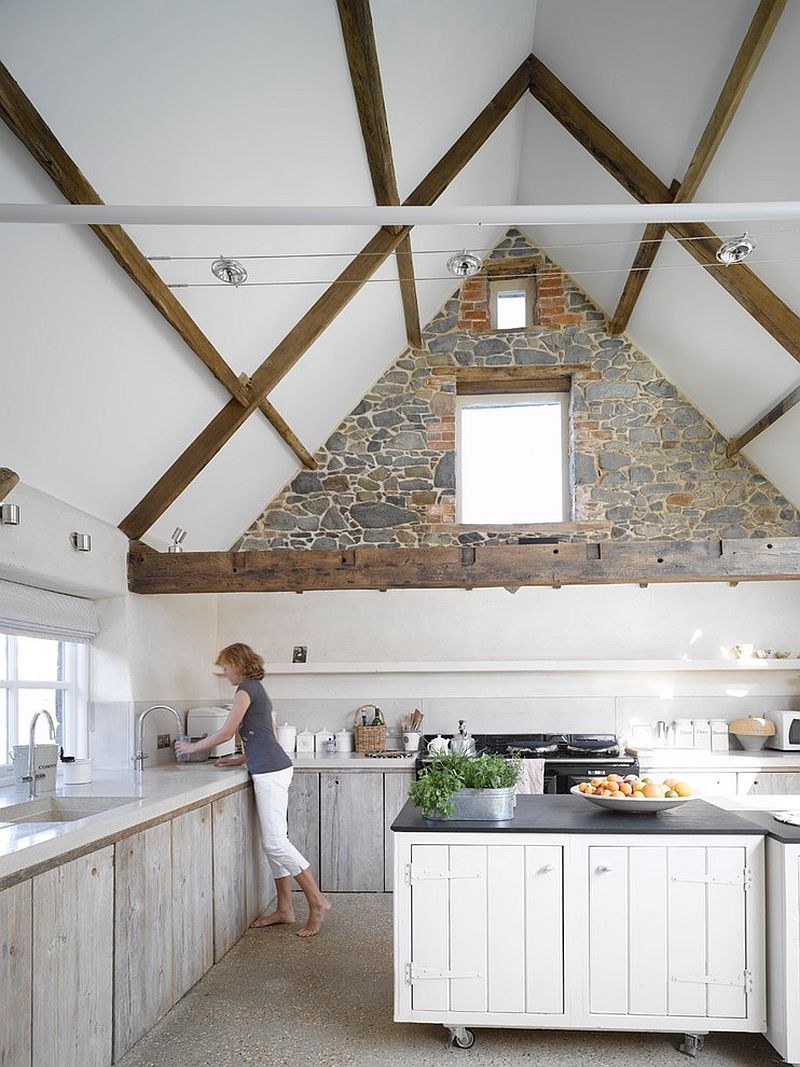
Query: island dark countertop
point(573, 815)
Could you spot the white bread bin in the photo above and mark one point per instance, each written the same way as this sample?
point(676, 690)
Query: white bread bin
point(200, 722)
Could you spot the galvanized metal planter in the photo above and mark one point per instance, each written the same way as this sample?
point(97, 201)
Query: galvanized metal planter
point(484, 805)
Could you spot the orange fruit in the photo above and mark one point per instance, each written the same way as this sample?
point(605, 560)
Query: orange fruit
point(626, 789)
point(637, 794)
point(683, 789)
point(650, 791)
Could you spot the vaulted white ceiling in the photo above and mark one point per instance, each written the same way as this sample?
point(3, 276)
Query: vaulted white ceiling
point(250, 102)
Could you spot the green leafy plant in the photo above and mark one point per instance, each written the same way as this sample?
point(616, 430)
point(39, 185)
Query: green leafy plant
point(450, 771)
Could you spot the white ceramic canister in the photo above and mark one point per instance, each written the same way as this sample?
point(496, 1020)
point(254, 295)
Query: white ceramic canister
point(304, 742)
point(701, 729)
point(321, 739)
point(287, 736)
point(683, 733)
point(720, 742)
point(344, 740)
point(46, 764)
point(76, 772)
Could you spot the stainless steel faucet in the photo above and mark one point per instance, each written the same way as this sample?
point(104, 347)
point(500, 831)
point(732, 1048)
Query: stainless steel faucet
point(32, 776)
point(141, 755)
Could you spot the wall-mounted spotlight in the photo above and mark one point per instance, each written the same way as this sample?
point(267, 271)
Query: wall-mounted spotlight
point(9, 514)
point(177, 540)
point(81, 542)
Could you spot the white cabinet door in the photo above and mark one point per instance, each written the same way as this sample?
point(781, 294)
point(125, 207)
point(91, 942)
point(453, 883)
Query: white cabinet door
point(73, 950)
point(709, 784)
point(15, 975)
point(395, 793)
point(768, 782)
point(667, 931)
point(487, 928)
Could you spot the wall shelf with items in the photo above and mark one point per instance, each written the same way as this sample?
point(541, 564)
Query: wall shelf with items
point(502, 666)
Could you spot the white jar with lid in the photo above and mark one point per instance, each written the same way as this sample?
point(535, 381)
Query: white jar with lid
point(286, 736)
point(719, 735)
point(702, 733)
point(321, 739)
point(344, 740)
point(683, 733)
point(304, 742)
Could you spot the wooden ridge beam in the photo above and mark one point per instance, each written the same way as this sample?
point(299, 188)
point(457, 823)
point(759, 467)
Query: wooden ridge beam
point(481, 566)
point(744, 67)
point(701, 242)
point(365, 75)
point(785, 404)
point(8, 479)
point(280, 361)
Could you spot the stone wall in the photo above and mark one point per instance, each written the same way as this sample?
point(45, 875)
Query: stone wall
point(644, 462)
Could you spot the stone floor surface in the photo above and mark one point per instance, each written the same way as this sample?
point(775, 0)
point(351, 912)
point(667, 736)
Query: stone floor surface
point(276, 1000)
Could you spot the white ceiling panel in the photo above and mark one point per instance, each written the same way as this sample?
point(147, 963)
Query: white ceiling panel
point(775, 453)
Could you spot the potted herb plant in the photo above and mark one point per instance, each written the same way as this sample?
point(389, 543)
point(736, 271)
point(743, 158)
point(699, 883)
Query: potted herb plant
point(455, 786)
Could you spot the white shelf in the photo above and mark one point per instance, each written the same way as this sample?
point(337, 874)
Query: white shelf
point(539, 665)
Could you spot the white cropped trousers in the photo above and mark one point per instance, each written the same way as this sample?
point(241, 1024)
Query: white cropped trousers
point(272, 801)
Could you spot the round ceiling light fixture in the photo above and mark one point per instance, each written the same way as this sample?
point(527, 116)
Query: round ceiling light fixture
point(735, 250)
point(230, 271)
point(464, 264)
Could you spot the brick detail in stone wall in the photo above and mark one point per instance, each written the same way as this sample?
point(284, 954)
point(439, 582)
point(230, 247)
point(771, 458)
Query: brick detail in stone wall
point(641, 457)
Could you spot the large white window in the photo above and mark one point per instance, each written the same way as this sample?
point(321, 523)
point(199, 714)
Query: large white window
point(512, 458)
point(38, 673)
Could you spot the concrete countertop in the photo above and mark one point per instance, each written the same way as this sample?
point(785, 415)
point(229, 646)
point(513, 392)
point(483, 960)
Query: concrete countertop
point(766, 759)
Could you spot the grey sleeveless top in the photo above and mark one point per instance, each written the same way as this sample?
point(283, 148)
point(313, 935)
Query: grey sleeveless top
point(261, 750)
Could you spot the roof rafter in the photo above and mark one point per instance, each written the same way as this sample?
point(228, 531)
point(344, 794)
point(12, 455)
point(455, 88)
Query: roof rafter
point(776, 317)
point(365, 75)
point(25, 122)
point(744, 67)
point(316, 320)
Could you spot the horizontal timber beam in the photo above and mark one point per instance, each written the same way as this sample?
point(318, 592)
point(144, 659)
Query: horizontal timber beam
point(482, 566)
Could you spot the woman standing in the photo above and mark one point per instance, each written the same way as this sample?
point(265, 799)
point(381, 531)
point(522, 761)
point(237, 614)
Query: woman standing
point(271, 770)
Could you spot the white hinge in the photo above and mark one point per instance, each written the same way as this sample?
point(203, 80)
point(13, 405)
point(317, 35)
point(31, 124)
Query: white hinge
point(743, 880)
point(427, 874)
point(429, 974)
point(744, 980)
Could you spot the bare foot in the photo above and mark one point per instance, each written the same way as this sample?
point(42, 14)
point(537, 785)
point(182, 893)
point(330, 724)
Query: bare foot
point(275, 919)
point(316, 917)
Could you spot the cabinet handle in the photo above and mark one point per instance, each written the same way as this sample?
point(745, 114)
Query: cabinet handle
point(546, 869)
point(603, 869)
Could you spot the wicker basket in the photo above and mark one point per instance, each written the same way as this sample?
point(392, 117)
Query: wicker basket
point(369, 738)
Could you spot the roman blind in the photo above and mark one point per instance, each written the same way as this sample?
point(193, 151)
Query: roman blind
point(29, 612)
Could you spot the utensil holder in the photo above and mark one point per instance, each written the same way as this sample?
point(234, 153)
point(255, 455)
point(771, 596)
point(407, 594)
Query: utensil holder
point(369, 738)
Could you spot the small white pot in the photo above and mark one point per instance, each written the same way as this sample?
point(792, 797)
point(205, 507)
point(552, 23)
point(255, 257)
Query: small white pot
point(78, 772)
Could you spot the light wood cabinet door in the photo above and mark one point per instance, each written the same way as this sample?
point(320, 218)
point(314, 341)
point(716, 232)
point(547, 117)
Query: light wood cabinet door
point(395, 793)
point(303, 816)
point(230, 885)
point(260, 884)
point(192, 898)
point(686, 956)
point(768, 782)
point(351, 832)
point(15, 975)
point(73, 949)
point(143, 978)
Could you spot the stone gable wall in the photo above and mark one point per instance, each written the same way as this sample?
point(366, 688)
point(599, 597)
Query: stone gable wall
point(642, 457)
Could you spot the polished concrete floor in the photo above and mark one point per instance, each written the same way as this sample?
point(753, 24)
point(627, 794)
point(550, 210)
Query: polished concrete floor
point(276, 1000)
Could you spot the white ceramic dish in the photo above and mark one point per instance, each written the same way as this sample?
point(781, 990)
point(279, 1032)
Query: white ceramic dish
point(648, 805)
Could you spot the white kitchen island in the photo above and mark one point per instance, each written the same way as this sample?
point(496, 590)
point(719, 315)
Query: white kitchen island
point(573, 917)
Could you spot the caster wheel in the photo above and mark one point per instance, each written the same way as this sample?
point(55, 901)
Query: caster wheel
point(462, 1038)
point(691, 1044)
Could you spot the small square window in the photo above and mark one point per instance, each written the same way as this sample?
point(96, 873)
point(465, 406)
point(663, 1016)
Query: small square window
point(511, 310)
point(513, 459)
point(512, 302)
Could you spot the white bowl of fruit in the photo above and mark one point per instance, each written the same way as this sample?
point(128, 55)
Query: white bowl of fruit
point(634, 794)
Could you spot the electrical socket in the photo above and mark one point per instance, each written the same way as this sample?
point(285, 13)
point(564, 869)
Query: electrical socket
point(163, 741)
point(299, 653)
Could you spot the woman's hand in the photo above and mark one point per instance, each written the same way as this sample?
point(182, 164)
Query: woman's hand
point(185, 748)
point(229, 761)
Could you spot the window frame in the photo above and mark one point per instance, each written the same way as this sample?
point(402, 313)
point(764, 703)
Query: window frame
point(515, 398)
point(521, 283)
point(73, 725)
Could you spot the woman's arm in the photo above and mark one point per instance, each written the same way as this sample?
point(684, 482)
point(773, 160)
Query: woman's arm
point(241, 703)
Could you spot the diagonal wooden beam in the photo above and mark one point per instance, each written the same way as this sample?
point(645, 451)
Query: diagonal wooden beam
point(701, 242)
point(744, 67)
point(323, 312)
point(25, 122)
point(362, 58)
point(785, 404)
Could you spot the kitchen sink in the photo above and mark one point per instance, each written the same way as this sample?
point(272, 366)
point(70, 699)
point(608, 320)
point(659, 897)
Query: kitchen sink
point(58, 809)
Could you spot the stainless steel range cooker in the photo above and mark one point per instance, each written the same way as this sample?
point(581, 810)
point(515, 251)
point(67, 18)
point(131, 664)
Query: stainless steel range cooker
point(568, 758)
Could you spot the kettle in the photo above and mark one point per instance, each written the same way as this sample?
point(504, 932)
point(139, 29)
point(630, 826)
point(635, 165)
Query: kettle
point(438, 744)
point(463, 743)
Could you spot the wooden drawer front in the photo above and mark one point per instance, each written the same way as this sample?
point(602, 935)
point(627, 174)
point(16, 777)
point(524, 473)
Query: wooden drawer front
point(667, 931)
point(490, 919)
point(768, 782)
